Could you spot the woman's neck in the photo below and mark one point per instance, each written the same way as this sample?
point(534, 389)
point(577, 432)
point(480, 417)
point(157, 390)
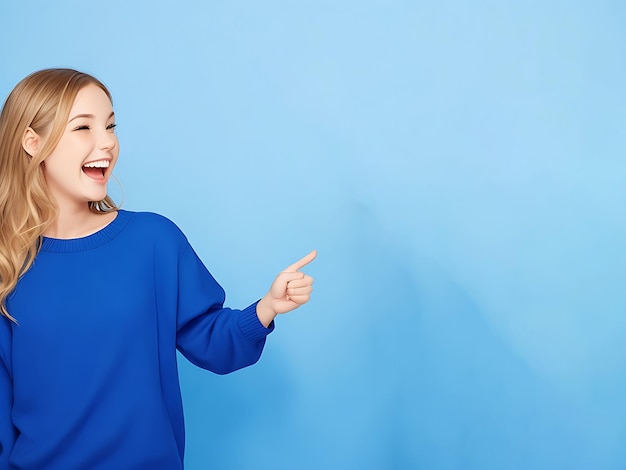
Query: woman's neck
point(78, 223)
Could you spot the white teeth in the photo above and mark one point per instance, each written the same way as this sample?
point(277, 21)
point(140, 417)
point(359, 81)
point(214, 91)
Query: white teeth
point(98, 164)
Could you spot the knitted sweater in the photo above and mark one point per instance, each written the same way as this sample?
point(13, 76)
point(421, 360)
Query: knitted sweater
point(88, 376)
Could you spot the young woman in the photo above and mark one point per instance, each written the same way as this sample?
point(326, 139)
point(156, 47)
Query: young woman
point(96, 300)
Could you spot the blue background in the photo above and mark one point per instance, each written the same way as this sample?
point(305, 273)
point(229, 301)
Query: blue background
point(458, 165)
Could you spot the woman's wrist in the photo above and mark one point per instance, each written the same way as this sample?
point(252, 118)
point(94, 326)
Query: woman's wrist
point(265, 314)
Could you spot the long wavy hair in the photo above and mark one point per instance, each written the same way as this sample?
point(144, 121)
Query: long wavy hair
point(41, 101)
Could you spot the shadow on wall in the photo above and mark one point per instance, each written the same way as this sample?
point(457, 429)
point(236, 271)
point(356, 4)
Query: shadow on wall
point(228, 416)
point(397, 369)
point(445, 391)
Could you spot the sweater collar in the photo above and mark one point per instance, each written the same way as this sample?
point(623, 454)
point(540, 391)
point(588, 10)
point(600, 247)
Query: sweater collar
point(95, 240)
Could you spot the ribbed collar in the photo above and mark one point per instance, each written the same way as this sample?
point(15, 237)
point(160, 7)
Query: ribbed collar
point(89, 242)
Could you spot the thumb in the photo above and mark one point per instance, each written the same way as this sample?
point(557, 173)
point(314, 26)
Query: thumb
point(279, 286)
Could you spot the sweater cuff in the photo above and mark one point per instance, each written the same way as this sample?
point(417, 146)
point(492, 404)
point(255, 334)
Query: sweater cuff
point(251, 326)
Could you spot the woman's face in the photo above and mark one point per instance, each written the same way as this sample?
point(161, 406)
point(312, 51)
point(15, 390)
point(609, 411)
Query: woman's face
point(78, 169)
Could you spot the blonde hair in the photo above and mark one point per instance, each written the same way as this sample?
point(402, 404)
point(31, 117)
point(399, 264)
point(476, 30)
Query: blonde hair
point(42, 101)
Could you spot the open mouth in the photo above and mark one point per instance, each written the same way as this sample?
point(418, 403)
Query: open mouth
point(96, 170)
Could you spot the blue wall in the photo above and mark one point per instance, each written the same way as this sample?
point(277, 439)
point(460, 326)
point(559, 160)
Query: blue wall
point(460, 167)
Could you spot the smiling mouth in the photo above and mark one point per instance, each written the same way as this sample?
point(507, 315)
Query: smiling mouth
point(96, 170)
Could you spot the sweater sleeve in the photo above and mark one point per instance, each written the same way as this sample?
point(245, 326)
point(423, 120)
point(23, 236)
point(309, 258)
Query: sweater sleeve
point(215, 338)
point(7, 430)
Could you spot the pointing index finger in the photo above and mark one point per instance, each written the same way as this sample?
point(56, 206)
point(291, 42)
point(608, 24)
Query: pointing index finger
point(301, 263)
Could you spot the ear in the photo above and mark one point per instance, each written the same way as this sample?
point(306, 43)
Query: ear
point(30, 142)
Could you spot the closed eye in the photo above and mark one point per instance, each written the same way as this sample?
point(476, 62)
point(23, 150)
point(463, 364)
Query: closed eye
point(82, 128)
point(111, 126)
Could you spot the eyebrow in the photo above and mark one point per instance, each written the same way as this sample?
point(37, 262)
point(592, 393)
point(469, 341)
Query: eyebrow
point(89, 116)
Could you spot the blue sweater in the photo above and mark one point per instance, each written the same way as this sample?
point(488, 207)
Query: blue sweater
point(88, 378)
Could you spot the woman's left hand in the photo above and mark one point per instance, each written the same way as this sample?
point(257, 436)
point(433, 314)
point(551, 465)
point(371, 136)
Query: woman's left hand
point(290, 289)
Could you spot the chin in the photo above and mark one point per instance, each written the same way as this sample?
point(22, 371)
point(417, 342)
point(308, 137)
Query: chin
point(97, 197)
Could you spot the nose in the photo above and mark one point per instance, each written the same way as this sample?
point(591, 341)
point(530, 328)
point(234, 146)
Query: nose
point(107, 141)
